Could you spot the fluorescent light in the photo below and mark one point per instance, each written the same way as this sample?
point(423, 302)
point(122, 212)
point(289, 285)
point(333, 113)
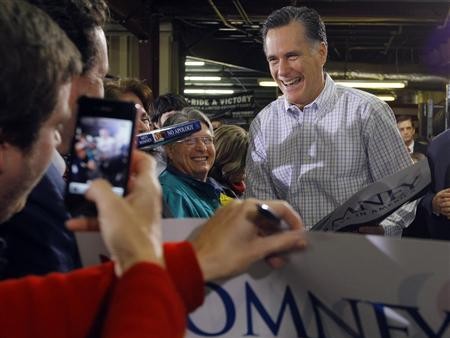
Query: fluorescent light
point(372, 84)
point(202, 78)
point(208, 91)
point(267, 83)
point(211, 84)
point(194, 63)
point(386, 97)
point(354, 84)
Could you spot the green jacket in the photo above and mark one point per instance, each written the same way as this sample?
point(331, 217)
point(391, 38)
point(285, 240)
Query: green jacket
point(188, 197)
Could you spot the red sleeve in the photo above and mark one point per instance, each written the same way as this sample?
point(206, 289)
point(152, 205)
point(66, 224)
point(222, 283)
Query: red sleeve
point(55, 306)
point(145, 303)
point(182, 266)
point(65, 305)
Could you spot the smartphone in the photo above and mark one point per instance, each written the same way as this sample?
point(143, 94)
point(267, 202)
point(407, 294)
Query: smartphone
point(101, 148)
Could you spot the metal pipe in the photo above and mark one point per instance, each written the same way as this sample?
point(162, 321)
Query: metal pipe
point(229, 25)
point(220, 16)
point(242, 11)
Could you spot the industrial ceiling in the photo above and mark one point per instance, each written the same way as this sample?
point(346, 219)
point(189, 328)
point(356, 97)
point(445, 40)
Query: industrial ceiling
point(407, 40)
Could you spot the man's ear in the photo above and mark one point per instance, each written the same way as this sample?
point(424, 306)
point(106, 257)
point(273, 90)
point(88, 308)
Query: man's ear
point(323, 52)
point(169, 151)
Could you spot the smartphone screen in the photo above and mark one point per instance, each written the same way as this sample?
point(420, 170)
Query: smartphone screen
point(101, 148)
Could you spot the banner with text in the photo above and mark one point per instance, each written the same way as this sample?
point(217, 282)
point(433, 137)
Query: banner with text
point(342, 286)
point(236, 105)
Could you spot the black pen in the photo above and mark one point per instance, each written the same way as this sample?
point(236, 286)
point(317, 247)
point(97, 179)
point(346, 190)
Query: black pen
point(272, 221)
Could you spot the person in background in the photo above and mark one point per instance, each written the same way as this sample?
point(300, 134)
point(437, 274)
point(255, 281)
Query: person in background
point(164, 106)
point(132, 90)
point(187, 189)
point(148, 289)
point(433, 212)
point(231, 143)
point(407, 131)
point(436, 202)
point(137, 89)
point(319, 143)
point(216, 123)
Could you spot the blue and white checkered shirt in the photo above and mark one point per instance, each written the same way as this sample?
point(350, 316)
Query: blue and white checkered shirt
point(318, 157)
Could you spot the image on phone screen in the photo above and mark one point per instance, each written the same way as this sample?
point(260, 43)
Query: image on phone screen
point(101, 150)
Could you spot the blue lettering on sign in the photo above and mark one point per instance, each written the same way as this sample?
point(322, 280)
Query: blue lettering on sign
point(385, 328)
point(274, 326)
point(320, 310)
point(230, 311)
point(180, 130)
point(318, 305)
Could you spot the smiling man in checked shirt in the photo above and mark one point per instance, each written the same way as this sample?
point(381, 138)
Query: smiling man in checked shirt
point(319, 143)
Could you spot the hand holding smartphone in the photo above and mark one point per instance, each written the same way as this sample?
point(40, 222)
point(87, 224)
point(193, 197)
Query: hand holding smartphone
point(101, 148)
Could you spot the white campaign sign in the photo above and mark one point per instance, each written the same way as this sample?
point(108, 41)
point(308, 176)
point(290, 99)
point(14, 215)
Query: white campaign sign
point(343, 286)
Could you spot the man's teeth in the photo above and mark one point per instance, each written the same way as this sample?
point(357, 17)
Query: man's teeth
point(292, 82)
point(199, 158)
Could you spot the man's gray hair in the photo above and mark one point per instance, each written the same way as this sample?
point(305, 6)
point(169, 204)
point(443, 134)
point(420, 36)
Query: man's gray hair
point(311, 20)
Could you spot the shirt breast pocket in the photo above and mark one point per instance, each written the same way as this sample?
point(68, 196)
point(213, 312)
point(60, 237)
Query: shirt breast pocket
point(348, 155)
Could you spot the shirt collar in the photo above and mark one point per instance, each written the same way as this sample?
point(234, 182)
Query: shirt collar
point(210, 183)
point(411, 147)
point(323, 103)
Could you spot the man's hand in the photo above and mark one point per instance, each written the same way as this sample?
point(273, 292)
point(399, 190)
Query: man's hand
point(231, 240)
point(441, 203)
point(130, 226)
